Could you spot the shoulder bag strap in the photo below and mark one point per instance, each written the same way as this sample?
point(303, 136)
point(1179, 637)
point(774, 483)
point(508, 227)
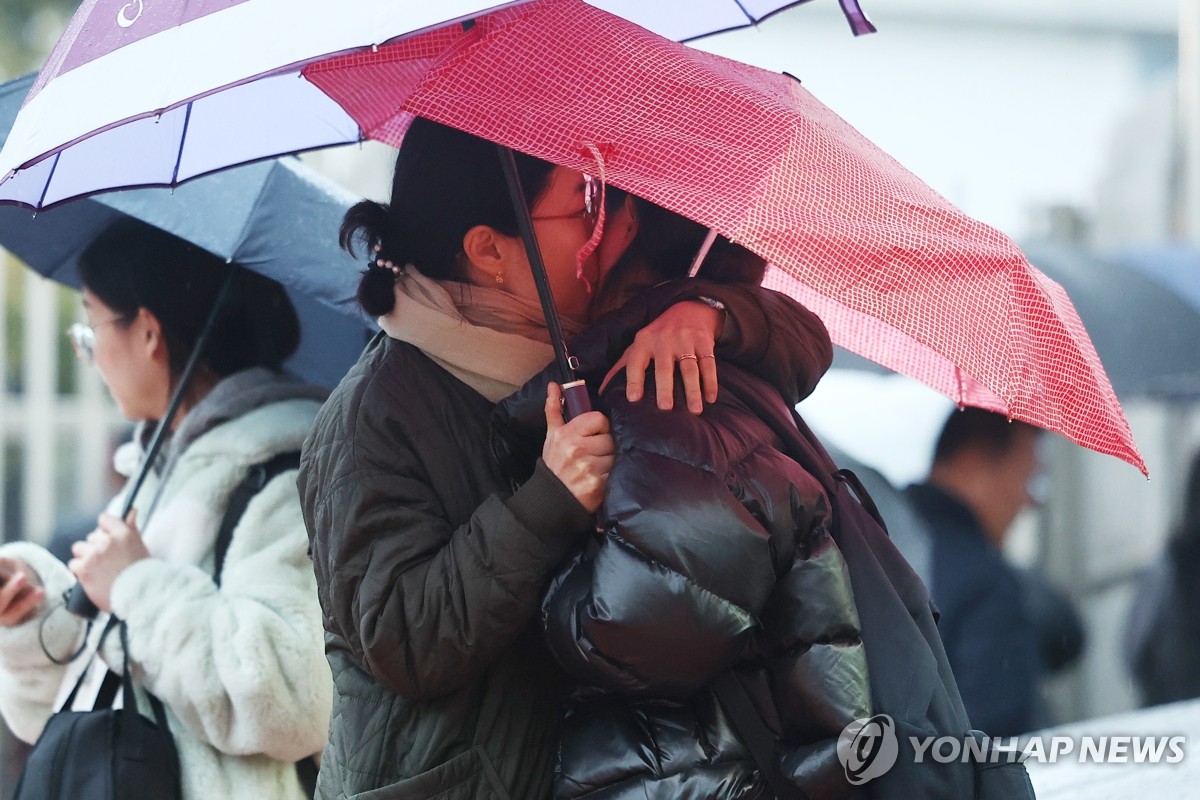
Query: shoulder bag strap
point(755, 735)
point(130, 698)
point(848, 477)
point(104, 687)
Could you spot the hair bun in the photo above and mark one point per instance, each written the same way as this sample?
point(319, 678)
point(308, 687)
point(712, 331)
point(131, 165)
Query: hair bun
point(376, 291)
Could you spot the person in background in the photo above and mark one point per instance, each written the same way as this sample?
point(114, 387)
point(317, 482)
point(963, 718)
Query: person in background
point(1162, 636)
point(978, 483)
point(236, 662)
point(1060, 634)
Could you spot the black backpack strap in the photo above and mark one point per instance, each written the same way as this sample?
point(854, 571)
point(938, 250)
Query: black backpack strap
point(755, 735)
point(256, 478)
point(850, 479)
point(306, 769)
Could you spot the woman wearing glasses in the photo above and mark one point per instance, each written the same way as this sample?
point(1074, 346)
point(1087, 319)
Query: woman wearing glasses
point(233, 653)
point(430, 563)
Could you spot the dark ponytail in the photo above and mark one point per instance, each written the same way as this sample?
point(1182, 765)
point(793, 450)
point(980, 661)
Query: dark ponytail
point(445, 183)
point(365, 222)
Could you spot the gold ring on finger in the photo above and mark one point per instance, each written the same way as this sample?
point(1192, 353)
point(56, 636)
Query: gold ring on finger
point(692, 356)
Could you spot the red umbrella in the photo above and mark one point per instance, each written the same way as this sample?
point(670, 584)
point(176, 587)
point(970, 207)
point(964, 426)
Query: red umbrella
point(898, 273)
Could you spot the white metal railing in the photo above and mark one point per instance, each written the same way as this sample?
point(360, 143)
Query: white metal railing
point(55, 445)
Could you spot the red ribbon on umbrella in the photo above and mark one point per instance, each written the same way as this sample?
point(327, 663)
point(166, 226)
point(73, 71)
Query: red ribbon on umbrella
point(898, 273)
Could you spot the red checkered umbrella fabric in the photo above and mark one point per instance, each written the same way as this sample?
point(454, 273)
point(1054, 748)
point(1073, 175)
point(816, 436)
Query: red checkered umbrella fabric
point(898, 273)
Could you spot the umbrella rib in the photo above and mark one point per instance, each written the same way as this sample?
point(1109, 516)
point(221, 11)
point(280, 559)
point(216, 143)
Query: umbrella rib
point(248, 225)
point(187, 118)
point(49, 180)
point(749, 17)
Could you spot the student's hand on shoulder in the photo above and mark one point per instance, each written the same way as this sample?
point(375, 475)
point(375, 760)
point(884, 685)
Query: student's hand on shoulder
point(684, 334)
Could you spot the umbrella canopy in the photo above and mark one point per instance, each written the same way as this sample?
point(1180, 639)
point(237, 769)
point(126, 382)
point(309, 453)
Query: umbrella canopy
point(897, 273)
point(274, 217)
point(194, 111)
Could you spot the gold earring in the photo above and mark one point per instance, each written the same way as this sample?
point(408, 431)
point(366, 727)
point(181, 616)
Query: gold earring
point(499, 277)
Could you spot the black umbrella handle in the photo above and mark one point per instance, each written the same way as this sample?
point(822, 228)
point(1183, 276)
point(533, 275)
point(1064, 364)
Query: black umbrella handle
point(78, 603)
point(575, 394)
point(575, 400)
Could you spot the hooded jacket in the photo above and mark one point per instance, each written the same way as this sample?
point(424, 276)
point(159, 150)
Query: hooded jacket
point(713, 553)
point(239, 667)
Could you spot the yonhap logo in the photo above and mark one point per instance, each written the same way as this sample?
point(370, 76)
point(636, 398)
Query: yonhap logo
point(868, 748)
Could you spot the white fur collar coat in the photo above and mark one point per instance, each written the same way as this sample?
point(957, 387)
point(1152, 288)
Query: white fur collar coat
point(241, 669)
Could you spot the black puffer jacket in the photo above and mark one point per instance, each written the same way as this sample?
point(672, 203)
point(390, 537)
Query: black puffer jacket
point(714, 552)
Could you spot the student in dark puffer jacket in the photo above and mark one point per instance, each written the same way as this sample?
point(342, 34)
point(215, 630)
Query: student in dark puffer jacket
point(430, 563)
point(712, 553)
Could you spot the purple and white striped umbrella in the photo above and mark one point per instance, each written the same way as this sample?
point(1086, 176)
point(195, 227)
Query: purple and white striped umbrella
point(153, 92)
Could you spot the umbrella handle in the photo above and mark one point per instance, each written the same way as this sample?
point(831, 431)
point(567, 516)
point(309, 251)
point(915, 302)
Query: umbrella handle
point(575, 399)
point(575, 393)
point(537, 266)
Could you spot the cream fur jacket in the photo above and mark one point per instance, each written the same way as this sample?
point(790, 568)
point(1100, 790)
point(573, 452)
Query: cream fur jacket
point(241, 669)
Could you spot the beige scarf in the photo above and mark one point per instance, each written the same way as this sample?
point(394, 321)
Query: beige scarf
point(489, 339)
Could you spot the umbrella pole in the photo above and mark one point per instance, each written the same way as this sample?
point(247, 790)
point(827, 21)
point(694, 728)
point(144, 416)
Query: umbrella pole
point(575, 395)
point(78, 602)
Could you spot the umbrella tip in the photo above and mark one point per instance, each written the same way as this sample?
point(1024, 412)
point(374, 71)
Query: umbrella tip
point(859, 24)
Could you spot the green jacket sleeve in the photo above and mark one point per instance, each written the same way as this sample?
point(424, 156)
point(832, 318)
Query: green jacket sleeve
point(423, 605)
